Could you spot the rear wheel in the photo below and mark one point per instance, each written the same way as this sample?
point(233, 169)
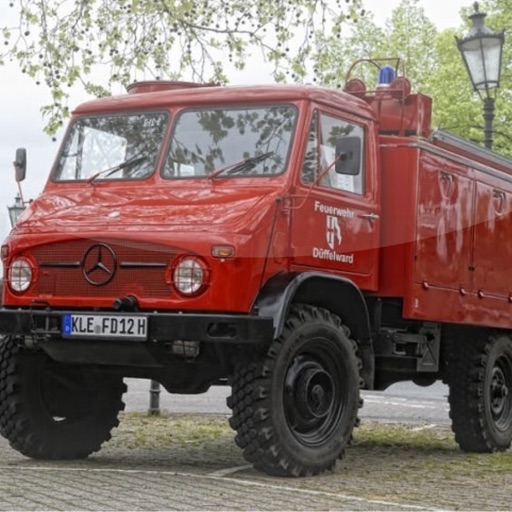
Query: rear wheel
point(294, 409)
point(52, 411)
point(481, 394)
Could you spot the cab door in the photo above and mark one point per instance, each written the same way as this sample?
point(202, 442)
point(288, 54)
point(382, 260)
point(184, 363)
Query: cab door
point(335, 215)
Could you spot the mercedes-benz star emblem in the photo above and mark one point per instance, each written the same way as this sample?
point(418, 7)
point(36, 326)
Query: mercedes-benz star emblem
point(99, 264)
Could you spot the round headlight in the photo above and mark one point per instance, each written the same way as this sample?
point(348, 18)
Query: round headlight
point(189, 275)
point(20, 275)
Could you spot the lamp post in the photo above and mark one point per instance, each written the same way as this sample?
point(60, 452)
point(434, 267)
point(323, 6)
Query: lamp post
point(481, 51)
point(15, 210)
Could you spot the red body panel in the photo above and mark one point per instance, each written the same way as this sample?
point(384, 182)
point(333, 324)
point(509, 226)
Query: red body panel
point(180, 222)
point(432, 225)
point(445, 221)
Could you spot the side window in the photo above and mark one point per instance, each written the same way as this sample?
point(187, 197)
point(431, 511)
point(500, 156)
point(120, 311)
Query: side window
point(324, 133)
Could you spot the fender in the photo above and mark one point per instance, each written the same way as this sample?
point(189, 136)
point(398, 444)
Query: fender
point(339, 295)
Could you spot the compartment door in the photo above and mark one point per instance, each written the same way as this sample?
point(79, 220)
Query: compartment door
point(492, 253)
point(444, 228)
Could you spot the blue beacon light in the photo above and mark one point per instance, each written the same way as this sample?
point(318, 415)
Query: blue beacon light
point(386, 76)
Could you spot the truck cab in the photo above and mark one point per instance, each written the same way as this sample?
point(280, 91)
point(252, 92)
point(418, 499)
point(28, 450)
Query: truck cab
point(234, 185)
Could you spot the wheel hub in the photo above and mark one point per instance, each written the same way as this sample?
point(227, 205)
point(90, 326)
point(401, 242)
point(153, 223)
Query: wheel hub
point(314, 393)
point(312, 400)
point(499, 391)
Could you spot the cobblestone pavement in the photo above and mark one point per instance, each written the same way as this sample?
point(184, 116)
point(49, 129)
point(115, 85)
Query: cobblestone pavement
point(104, 485)
point(120, 478)
point(189, 462)
point(67, 487)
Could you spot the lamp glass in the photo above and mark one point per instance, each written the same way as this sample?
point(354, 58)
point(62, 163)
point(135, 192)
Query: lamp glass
point(483, 59)
point(15, 210)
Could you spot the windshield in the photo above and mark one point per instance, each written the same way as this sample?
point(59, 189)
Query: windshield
point(230, 142)
point(112, 147)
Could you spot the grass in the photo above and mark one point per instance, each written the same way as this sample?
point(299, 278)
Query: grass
point(434, 448)
point(138, 430)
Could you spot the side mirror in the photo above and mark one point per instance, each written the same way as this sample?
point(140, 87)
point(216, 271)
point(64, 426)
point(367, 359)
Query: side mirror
point(20, 164)
point(348, 156)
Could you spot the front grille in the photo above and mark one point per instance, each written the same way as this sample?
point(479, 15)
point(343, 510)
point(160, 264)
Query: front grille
point(71, 268)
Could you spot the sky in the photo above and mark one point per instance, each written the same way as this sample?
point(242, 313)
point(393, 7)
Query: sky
point(21, 124)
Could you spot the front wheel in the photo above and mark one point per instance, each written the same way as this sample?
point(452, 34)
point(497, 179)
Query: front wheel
point(294, 409)
point(481, 394)
point(52, 411)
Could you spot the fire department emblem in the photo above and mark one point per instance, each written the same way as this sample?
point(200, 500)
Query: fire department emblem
point(333, 232)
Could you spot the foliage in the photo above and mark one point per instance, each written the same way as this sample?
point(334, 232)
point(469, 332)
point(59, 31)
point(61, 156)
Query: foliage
point(431, 61)
point(101, 43)
point(499, 17)
point(408, 35)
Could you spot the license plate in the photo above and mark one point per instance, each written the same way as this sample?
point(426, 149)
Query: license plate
point(105, 326)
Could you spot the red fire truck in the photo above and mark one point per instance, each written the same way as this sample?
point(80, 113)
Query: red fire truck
point(297, 243)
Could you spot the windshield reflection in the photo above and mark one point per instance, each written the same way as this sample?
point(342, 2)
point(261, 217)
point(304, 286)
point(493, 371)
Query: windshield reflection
point(99, 147)
point(207, 141)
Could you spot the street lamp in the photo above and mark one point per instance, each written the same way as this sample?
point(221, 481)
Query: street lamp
point(481, 51)
point(15, 210)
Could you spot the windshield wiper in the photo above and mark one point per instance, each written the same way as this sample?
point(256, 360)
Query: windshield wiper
point(247, 164)
point(134, 160)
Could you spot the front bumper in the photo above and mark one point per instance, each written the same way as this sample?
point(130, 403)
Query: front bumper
point(45, 325)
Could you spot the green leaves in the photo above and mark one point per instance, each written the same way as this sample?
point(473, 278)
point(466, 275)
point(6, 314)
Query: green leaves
point(98, 44)
point(432, 63)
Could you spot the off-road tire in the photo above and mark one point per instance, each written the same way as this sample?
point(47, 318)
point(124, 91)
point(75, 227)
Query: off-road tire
point(480, 383)
point(50, 411)
point(295, 407)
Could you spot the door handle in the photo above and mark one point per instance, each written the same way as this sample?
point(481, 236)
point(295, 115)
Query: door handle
point(447, 184)
point(370, 216)
point(499, 201)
